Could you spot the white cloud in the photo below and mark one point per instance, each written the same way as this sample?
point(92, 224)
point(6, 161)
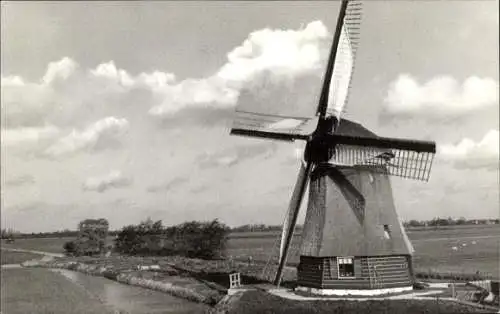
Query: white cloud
point(227, 160)
point(20, 180)
point(61, 70)
point(26, 135)
point(195, 93)
point(114, 179)
point(470, 154)
point(23, 103)
point(440, 96)
point(167, 186)
point(286, 52)
point(109, 128)
point(12, 81)
point(156, 81)
point(236, 154)
point(267, 57)
point(271, 60)
point(109, 71)
point(65, 90)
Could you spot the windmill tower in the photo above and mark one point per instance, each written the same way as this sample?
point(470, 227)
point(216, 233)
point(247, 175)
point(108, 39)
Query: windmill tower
point(353, 241)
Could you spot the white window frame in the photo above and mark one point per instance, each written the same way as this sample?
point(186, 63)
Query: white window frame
point(341, 259)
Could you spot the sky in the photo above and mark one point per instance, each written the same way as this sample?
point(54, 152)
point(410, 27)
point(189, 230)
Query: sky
point(122, 110)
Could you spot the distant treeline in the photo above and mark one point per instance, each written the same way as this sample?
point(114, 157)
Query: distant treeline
point(435, 222)
point(53, 234)
point(260, 228)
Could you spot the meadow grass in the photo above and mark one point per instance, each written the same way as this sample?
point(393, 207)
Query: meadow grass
point(477, 249)
point(433, 248)
point(51, 245)
point(260, 302)
point(10, 257)
point(43, 291)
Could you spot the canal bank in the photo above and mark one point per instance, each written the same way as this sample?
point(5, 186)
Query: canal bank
point(131, 299)
point(38, 290)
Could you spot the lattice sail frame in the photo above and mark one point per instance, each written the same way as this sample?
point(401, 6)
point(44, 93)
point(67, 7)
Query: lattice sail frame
point(406, 163)
point(345, 60)
point(276, 127)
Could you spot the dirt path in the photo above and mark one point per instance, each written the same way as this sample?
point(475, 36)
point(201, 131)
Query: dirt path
point(44, 256)
point(11, 266)
point(35, 252)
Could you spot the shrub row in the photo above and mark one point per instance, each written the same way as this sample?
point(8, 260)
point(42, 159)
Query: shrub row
point(206, 240)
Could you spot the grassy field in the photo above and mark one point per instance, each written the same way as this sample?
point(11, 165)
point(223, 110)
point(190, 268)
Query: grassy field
point(53, 245)
point(42, 291)
point(259, 302)
point(477, 248)
point(9, 257)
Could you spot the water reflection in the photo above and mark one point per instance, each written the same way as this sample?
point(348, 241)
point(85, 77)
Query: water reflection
point(130, 299)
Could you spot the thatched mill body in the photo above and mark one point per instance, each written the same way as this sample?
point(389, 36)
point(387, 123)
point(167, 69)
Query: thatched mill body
point(353, 241)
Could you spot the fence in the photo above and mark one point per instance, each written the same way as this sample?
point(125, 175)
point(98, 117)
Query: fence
point(481, 291)
point(454, 276)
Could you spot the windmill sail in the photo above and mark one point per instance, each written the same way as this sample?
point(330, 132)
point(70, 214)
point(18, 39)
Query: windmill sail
point(345, 60)
point(293, 209)
point(334, 95)
point(398, 157)
point(276, 127)
point(340, 67)
point(405, 237)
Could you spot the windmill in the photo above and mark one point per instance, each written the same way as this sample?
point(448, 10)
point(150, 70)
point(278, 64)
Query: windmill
point(353, 241)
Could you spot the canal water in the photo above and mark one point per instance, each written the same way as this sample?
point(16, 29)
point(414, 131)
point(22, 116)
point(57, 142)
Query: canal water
point(123, 298)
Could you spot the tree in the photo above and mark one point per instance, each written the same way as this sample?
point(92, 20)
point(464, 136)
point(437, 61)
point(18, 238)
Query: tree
point(91, 237)
point(70, 248)
point(8, 233)
point(144, 238)
point(414, 223)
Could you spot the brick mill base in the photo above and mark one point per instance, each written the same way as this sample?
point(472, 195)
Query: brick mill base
point(353, 292)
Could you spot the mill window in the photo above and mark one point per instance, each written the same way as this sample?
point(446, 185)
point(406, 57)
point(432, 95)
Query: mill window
point(345, 267)
point(387, 232)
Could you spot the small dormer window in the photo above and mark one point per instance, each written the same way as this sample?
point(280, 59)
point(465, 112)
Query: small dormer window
point(345, 267)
